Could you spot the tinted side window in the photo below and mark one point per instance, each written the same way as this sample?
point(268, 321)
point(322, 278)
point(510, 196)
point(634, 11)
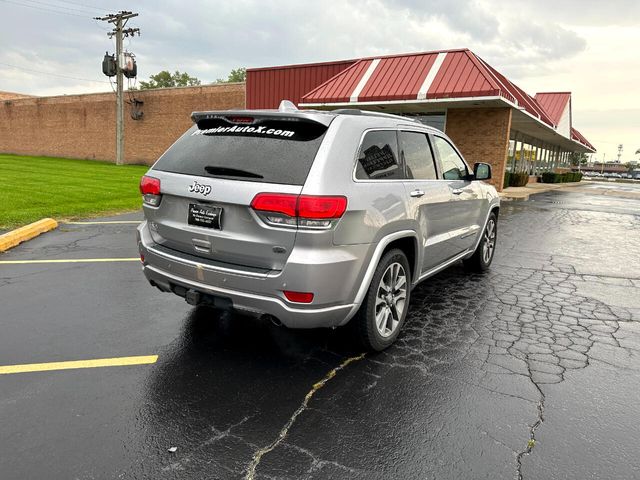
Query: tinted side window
point(378, 156)
point(453, 167)
point(417, 156)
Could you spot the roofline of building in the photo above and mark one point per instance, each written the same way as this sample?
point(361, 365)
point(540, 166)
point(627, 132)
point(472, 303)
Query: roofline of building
point(353, 60)
point(391, 102)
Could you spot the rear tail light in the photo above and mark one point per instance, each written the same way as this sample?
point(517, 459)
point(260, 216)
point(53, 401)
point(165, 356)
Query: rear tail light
point(307, 211)
point(298, 297)
point(150, 189)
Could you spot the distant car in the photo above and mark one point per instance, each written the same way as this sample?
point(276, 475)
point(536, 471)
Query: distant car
point(313, 219)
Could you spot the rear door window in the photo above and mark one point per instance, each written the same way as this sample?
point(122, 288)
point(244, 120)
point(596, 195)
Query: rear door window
point(378, 156)
point(271, 151)
point(417, 156)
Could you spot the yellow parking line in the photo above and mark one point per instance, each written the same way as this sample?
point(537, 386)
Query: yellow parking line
point(115, 222)
point(69, 260)
point(100, 362)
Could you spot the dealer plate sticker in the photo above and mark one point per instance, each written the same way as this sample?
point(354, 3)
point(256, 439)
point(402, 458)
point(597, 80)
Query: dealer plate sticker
point(205, 216)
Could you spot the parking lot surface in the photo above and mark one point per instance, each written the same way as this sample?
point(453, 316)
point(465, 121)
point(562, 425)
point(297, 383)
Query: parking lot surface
point(529, 371)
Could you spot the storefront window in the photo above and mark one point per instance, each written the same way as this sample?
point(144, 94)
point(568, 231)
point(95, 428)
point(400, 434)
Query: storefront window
point(435, 120)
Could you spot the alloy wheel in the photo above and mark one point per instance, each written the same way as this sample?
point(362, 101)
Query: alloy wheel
point(391, 299)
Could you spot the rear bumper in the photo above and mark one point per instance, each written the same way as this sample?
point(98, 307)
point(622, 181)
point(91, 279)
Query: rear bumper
point(334, 282)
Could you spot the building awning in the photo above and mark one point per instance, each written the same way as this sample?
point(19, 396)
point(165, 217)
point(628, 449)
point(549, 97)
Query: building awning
point(578, 137)
point(432, 81)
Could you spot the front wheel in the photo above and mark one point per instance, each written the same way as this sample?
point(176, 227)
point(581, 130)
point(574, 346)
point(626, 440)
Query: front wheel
point(384, 309)
point(483, 256)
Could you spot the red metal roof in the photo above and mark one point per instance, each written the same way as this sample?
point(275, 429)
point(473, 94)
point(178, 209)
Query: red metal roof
point(344, 83)
point(459, 74)
point(554, 103)
point(578, 137)
point(396, 78)
point(415, 77)
point(266, 87)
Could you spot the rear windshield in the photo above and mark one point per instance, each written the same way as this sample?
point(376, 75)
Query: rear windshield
point(272, 151)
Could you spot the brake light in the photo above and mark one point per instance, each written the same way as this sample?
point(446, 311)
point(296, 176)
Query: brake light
point(275, 202)
point(311, 211)
point(298, 297)
point(150, 189)
point(149, 186)
point(321, 207)
point(240, 119)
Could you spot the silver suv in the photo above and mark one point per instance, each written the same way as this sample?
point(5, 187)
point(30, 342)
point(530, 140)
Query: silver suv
point(312, 218)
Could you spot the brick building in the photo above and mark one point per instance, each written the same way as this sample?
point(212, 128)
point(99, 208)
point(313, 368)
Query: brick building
point(83, 126)
point(488, 117)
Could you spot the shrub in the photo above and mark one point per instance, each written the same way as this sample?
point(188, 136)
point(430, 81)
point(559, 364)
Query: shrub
point(507, 177)
point(519, 179)
point(551, 177)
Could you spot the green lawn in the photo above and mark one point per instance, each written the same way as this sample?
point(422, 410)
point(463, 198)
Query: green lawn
point(32, 188)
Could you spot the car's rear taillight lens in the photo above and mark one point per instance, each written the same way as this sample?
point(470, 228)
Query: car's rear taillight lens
point(316, 207)
point(275, 202)
point(150, 189)
point(298, 297)
point(309, 211)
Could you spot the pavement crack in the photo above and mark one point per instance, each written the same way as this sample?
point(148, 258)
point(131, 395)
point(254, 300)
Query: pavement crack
point(257, 456)
point(532, 429)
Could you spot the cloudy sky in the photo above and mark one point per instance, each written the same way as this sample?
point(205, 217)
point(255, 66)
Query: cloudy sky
point(589, 47)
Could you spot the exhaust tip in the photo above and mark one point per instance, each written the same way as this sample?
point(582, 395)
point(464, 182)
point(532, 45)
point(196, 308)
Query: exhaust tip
point(272, 319)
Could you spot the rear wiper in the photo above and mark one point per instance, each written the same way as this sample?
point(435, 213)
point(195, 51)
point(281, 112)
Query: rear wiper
point(230, 172)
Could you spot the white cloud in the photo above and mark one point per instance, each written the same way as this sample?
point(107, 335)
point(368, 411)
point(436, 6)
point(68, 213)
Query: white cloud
point(583, 46)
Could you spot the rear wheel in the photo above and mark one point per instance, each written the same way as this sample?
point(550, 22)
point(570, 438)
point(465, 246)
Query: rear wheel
point(483, 256)
point(384, 309)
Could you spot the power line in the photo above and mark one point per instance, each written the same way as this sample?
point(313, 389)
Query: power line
point(52, 74)
point(45, 9)
point(92, 7)
point(61, 7)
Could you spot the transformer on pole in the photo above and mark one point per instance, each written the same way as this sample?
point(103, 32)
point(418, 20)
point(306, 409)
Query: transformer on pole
point(124, 66)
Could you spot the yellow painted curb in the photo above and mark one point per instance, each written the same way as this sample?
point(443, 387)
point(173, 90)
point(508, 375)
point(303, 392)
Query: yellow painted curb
point(22, 234)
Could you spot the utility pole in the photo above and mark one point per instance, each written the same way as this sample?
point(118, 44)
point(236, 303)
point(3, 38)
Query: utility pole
point(119, 20)
point(620, 147)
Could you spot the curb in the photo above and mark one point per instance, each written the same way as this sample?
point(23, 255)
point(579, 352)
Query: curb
point(514, 198)
point(524, 196)
point(22, 234)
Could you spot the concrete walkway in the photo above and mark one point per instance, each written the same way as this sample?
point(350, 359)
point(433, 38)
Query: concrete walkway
point(523, 193)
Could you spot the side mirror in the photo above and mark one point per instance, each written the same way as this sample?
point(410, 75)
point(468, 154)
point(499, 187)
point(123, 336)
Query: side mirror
point(482, 171)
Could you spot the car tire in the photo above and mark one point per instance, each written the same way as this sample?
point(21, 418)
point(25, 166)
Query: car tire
point(481, 259)
point(384, 309)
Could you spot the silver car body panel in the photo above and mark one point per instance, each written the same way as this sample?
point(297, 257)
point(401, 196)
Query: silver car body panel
point(240, 262)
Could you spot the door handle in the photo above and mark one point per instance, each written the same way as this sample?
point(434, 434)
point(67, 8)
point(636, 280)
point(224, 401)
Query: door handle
point(417, 193)
point(457, 191)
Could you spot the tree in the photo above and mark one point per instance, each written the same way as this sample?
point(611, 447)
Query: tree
point(236, 75)
point(578, 158)
point(164, 79)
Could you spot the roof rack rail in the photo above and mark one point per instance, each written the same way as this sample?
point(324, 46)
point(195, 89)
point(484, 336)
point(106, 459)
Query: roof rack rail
point(355, 111)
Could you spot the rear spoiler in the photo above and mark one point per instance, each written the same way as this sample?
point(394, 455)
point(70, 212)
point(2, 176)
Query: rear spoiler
point(287, 112)
point(249, 117)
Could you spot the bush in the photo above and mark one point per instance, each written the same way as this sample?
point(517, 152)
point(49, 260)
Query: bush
point(519, 179)
point(507, 177)
point(551, 177)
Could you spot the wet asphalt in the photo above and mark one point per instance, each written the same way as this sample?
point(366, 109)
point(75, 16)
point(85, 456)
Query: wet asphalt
point(530, 371)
